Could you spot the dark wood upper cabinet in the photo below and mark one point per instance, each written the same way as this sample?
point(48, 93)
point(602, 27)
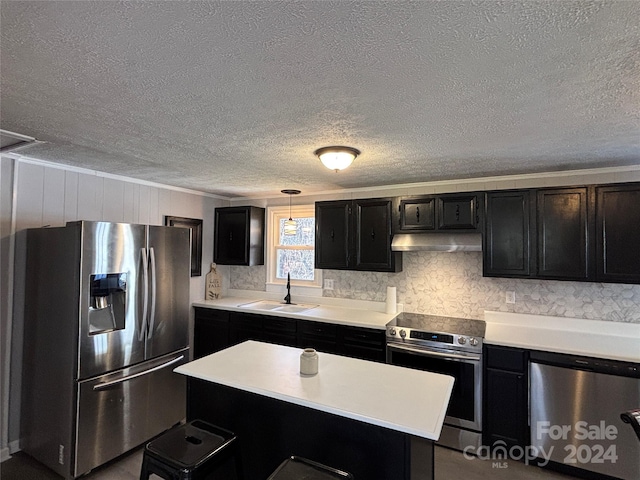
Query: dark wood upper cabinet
point(373, 235)
point(239, 236)
point(355, 235)
point(584, 233)
point(563, 240)
point(433, 213)
point(333, 226)
point(417, 214)
point(507, 234)
point(458, 212)
point(618, 233)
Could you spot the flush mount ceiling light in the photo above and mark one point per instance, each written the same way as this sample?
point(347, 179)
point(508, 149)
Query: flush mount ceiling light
point(337, 158)
point(290, 226)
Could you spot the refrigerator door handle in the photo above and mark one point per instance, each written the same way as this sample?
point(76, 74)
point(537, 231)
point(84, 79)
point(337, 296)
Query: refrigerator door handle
point(152, 317)
point(105, 385)
point(145, 298)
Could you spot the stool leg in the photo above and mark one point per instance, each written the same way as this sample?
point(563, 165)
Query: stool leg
point(144, 472)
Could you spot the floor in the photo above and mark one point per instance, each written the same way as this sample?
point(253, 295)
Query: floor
point(449, 465)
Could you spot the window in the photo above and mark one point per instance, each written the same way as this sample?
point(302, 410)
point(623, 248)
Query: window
point(292, 254)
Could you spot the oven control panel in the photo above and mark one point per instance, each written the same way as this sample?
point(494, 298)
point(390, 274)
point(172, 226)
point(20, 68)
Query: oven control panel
point(421, 337)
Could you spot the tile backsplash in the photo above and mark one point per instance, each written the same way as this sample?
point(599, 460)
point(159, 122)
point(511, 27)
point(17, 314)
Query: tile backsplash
point(452, 284)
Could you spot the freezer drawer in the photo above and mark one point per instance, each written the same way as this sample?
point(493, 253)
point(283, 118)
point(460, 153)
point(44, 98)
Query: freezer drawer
point(121, 410)
point(575, 415)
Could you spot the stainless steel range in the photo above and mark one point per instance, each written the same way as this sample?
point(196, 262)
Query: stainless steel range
point(451, 346)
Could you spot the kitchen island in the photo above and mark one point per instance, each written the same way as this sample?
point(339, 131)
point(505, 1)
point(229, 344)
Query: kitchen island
point(374, 420)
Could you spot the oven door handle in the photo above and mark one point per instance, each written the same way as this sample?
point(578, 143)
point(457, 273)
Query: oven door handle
point(435, 354)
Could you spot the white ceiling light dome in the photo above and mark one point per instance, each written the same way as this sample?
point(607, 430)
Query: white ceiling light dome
point(337, 157)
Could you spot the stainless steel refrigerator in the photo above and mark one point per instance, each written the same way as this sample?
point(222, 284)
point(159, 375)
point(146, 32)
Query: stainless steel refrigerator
point(106, 322)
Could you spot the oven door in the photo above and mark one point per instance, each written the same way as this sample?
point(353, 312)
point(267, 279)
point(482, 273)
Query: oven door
point(465, 407)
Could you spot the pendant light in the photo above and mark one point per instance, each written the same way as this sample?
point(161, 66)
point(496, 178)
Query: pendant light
point(337, 158)
point(290, 226)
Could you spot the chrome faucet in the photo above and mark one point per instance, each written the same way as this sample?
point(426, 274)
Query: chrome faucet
point(287, 299)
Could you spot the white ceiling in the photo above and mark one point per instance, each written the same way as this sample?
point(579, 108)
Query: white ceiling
point(233, 97)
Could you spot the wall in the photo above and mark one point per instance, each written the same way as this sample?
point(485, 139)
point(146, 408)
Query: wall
point(451, 284)
point(36, 194)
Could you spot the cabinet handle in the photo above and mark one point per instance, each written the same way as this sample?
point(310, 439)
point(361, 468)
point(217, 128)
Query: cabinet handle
point(373, 233)
point(231, 236)
point(458, 212)
point(332, 235)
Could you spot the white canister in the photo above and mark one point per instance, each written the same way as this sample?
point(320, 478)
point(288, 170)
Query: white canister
point(309, 362)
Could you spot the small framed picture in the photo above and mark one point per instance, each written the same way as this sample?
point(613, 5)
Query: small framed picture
point(196, 239)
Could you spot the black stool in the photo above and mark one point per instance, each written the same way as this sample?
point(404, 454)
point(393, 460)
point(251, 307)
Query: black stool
point(294, 468)
point(190, 452)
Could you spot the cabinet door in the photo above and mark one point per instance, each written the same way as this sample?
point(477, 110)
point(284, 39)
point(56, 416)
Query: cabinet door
point(319, 335)
point(618, 233)
point(417, 214)
point(364, 343)
point(245, 326)
point(280, 330)
point(506, 251)
point(239, 236)
point(506, 405)
point(458, 212)
point(563, 242)
point(373, 235)
point(505, 408)
point(231, 236)
point(332, 249)
point(210, 332)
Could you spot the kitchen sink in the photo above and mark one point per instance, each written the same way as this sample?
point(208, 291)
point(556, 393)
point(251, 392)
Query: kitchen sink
point(273, 306)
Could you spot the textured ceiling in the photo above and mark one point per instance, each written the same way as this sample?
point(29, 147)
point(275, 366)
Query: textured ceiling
point(233, 97)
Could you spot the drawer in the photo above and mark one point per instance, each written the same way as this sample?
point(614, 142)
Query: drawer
point(317, 330)
point(506, 358)
point(362, 337)
point(279, 325)
point(210, 314)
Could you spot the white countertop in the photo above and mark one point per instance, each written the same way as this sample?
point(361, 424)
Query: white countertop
point(402, 399)
point(363, 315)
point(591, 338)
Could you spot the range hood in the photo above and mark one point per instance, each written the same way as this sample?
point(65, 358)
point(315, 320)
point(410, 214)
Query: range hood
point(437, 242)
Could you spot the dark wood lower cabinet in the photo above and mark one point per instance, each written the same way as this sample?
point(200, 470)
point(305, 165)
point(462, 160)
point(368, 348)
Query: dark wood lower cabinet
point(319, 335)
point(506, 405)
point(364, 343)
point(218, 329)
point(263, 328)
point(211, 331)
point(271, 430)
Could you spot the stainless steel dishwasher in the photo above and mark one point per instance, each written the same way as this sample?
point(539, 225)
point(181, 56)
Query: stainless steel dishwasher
point(576, 404)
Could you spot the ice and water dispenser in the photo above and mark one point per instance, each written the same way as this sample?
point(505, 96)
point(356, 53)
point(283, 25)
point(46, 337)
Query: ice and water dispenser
point(107, 297)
